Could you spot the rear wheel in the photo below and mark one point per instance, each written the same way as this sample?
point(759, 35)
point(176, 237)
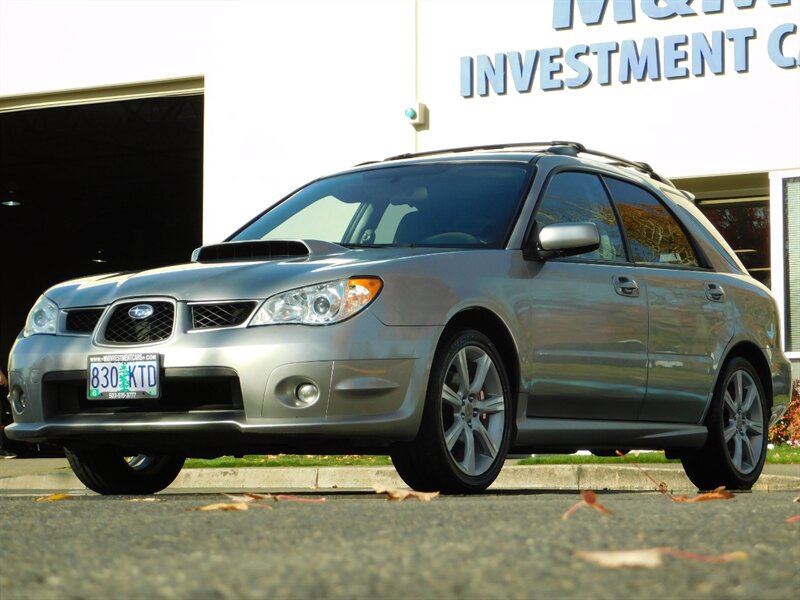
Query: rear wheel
point(736, 447)
point(106, 470)
point(466, 424)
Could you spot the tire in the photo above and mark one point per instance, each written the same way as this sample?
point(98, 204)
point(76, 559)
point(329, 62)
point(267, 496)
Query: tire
point(466, 423)
point(736, 446)
point(107, 471)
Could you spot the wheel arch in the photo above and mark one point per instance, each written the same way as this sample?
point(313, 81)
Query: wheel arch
point(492, 326)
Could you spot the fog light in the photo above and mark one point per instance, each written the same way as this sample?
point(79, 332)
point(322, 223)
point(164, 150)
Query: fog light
point(306, 394)
point(18, 400)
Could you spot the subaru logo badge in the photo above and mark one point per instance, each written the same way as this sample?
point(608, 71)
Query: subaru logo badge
point(140, 311)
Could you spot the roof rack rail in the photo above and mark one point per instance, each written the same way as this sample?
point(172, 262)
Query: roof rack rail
point(642, 167)
point(578, 146)
point(554, 147)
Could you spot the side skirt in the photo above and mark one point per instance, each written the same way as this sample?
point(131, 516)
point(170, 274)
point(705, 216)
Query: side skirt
point(568, 435)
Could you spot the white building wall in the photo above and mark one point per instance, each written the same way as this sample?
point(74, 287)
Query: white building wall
point(727, 123)
point(295, 89)
point(48, 45)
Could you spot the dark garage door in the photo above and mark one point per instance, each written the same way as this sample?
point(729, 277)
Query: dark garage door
point(96, 188)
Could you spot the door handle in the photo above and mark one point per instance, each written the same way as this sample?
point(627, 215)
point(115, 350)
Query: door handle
point(626, 286)
point(714, 292)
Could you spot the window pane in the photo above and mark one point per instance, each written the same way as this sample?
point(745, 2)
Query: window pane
point(581, 198)
point(653, 234)
point(464, 205)
point(745, 226)
point(316, 221)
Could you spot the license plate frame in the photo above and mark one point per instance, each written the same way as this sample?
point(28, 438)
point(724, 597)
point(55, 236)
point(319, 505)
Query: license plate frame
point(124, 376)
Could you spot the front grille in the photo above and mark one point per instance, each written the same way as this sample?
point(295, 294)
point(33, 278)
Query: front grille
point(230, 314)
point(83, 320)
point(124, 329)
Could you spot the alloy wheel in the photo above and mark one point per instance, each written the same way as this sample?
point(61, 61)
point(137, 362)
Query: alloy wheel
point(473, 407)
point(743, 421)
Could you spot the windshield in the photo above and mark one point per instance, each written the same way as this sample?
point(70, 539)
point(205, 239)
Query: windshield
point(463, 205)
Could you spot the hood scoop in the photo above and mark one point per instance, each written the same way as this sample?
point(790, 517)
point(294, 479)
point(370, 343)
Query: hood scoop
point(263, 250)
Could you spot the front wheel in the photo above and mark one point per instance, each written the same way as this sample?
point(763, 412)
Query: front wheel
point(466, 424)
point(107, 471)
point(736, 446)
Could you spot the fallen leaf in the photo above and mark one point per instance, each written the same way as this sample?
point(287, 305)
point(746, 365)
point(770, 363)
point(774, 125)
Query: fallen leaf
point(709, 558)
point(614, 559)
point(400, 495)
point(224, 506)
point(258, 496)
point(280, 497)
point(652, 557)
point(796, 499)
point(588, 498)
point(794, 519)
point(150, 499)
point(718, 494)
point(660, 485)
point(53, 498)
point(248, 497)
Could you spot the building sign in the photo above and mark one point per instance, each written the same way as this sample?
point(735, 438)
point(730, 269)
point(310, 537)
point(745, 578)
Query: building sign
point(672, 57)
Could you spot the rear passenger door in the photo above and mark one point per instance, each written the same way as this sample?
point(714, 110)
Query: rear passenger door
point(689, 324)
point(588, 319)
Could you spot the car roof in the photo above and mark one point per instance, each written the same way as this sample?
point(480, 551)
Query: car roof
point(530, 152)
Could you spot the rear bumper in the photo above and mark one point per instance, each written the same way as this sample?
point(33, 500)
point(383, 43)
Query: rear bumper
point(781, 370)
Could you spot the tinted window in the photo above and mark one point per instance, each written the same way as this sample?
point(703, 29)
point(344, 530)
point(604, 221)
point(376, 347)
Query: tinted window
point(704, 228)
point(466, 205)
point(653, 233)
point(579, 198)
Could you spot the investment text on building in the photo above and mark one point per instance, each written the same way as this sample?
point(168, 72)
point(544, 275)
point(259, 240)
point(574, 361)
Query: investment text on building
point(674, 56)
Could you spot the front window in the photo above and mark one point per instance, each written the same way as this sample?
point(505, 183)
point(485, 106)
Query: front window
point(461, 205)
point(580, 197)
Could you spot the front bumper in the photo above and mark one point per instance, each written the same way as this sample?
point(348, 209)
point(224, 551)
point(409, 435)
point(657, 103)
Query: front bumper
point(232, 387)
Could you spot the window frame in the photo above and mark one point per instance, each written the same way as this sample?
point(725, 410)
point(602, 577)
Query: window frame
point(787, 297)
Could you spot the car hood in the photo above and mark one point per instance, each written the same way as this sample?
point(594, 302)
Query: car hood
point(234, 280)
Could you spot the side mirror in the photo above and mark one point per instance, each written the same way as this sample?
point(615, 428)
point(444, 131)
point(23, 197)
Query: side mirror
point(562, 239)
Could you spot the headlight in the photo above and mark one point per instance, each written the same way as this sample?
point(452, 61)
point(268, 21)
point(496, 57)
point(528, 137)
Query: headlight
point(319, 304)
point(42, 318)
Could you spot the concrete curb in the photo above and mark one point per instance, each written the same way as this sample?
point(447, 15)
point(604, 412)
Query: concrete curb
point(55, 475)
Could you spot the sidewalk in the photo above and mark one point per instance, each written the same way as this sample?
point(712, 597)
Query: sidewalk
point(50, 475)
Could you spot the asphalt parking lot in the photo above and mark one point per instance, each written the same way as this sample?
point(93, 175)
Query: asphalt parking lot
point(335, 544)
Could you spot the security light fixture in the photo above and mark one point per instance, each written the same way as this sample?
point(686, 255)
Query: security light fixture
point(417, 115)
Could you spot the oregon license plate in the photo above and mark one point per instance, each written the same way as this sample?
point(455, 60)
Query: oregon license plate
point(123, 376)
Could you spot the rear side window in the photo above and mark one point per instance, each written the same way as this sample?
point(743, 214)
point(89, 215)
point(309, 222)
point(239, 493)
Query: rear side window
point(573, 197)
point(654, 235)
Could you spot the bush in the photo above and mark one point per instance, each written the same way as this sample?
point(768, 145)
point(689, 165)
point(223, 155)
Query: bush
point(787, 430)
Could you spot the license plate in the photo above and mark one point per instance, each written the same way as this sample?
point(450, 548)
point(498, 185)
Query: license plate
point(123, 376)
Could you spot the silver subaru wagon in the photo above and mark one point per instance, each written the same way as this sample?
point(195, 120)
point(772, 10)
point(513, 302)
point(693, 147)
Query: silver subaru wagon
point(444, 308)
